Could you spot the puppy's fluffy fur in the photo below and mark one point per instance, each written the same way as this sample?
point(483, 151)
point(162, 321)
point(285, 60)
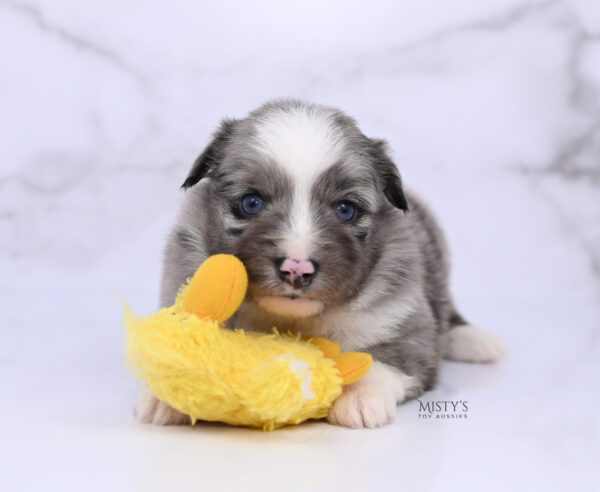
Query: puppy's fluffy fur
point(382, 280)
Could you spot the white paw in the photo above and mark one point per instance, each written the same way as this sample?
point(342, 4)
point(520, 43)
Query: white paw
point(361, 406)
point(371, 402)
point(150, 410)
point(468, 343)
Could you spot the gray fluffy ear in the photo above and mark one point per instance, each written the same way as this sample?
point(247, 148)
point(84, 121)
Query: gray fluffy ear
point(212, 155)
point(389, 175)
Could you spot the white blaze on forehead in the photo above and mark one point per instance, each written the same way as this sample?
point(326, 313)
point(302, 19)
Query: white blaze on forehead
point(305, 142)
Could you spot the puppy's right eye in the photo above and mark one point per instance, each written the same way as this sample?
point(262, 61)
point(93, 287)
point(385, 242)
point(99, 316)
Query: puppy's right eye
point(345, 210)
point(252, 204)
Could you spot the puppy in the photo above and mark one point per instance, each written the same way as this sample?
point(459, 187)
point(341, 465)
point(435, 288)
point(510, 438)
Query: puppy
point(334, 247)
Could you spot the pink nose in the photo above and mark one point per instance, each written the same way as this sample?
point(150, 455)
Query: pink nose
point(298, 273)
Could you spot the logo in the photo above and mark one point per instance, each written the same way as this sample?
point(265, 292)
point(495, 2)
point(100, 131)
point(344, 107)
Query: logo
point(443, 409)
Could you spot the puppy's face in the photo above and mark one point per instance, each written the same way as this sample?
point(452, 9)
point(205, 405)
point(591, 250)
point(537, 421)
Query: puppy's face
point(301, 196)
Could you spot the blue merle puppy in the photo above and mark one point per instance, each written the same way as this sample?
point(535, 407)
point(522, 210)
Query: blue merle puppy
point(334, 246)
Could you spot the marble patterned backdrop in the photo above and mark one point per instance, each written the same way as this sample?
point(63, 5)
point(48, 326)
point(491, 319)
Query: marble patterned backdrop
point(492, 109)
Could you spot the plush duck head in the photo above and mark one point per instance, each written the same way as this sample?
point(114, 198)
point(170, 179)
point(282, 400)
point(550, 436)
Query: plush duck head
point(212, 373)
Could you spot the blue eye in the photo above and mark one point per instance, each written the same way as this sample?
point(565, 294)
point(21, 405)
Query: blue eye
point(252, 204)
point(345, 210)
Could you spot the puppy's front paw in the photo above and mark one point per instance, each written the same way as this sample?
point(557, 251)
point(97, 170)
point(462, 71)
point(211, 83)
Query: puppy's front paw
point(361, 406)
point(150, 410)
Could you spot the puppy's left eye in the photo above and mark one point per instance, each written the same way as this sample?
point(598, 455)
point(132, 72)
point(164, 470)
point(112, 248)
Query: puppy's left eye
point(252, 204)
point(345, 210)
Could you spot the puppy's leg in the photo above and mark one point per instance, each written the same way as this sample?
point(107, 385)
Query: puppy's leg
point(406, 366)
point(372, 401)
point(150, 410)
point(469, 343)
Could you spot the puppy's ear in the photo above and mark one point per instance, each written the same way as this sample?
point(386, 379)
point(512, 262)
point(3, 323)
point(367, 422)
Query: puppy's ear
point(212, 155)
point(389, 175)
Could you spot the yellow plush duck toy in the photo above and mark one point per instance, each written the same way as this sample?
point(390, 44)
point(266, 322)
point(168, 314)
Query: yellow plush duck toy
point(209, 372)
